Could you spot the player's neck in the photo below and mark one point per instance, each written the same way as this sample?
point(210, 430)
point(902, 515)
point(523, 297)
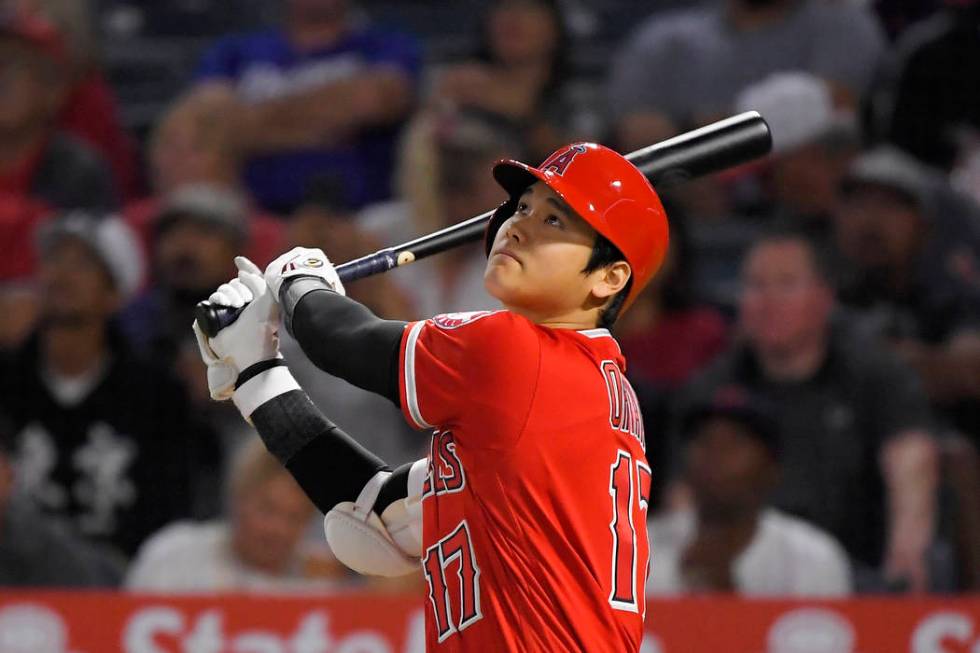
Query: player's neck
point(575, 320)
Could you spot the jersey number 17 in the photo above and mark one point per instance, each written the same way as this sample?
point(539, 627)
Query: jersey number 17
point(629, 487)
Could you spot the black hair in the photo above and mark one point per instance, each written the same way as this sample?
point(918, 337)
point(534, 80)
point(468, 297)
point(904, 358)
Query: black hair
point(560, 59)
point(604, 253)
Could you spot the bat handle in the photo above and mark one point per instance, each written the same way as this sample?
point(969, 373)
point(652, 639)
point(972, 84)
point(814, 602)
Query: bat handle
point(212, 318)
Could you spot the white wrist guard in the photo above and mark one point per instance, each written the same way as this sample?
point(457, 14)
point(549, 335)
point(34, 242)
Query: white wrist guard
point(262, 387)
point(385, 545)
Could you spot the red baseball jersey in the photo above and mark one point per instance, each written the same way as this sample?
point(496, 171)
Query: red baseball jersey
point(534, 508)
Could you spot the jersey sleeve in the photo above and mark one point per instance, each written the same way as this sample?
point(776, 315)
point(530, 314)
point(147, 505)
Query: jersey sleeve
point(469, 366)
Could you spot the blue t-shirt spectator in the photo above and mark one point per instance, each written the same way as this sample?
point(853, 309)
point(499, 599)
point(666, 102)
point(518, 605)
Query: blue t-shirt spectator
point(268, 69)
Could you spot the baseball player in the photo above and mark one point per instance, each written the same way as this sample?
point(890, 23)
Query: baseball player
point(528, 515)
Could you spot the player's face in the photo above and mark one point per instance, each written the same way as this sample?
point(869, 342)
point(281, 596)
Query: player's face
point(535, 265)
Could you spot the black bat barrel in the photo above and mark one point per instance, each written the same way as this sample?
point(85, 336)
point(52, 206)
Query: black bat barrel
point(715, 147)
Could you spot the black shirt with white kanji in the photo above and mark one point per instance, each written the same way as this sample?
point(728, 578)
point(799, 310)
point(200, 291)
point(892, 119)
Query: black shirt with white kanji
point(118, 460)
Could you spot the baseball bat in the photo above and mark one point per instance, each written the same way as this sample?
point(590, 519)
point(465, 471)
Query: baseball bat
point(712, 148)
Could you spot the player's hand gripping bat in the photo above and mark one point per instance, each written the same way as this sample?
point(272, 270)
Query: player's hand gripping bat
point(715, 147)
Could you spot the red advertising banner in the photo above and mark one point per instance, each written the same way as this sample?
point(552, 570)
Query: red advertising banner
point(93, 622)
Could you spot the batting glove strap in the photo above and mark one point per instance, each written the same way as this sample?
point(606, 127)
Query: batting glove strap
point(263, 386)
point(256, 369)
point(293, 290)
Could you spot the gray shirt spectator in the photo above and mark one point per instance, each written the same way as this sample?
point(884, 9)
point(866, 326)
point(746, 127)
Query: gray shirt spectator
point(686, 68)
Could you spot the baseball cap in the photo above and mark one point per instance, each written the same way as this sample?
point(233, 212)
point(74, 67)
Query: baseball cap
point(109, 237)
point(737, 403)
point(207, 204)
point(799, 109)
point(890, 167)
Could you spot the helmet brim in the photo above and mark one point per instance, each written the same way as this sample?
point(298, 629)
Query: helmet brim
point(515, 177)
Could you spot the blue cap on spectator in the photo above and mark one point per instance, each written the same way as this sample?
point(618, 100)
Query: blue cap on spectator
point(739, 404)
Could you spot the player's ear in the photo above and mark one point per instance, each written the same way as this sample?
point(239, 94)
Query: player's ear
point(610, 279)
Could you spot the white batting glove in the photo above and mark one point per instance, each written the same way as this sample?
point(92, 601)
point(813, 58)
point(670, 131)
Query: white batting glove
point(250, 339)
point(221, 374)
point(302, 262)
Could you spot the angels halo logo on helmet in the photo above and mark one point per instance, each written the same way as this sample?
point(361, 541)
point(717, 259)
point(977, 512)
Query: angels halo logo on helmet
point(605, 190)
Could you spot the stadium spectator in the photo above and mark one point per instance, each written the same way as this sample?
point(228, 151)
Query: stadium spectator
point(196, 234)
point(37, 160)
point(913, 274)
point(858, 457)
point(89, 109)
point(729, 540)
point(324, 94)
point(34, 551)
point(813, 145)
point(257, 547)
point(104, 441)
point(928, 102)
point(519, 74)
point(194, 145)
point(685, 69)
point(444, 177)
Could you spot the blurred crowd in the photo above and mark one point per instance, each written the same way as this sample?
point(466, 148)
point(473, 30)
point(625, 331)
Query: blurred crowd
point(808, 363)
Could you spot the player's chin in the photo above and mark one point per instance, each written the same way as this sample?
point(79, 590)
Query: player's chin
point(500, 281)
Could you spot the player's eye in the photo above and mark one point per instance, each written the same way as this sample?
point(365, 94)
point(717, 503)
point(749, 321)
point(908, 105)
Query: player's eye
point(522, 208)
point(553, 221)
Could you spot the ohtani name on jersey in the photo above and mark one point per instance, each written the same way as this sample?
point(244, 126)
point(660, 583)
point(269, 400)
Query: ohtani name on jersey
point(446, 473)
point(624, 407)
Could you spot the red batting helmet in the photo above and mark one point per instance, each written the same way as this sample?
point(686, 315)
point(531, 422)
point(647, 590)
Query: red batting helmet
point(605, 190)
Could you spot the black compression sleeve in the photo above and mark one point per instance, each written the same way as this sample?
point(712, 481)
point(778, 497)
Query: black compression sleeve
point(326, 462)
point(344, 338)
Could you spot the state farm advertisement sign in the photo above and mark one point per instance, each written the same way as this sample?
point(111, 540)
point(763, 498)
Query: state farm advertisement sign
point(94, 622)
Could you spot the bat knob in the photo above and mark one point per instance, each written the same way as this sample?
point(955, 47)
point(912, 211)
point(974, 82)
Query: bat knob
point(212, 318)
